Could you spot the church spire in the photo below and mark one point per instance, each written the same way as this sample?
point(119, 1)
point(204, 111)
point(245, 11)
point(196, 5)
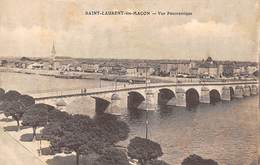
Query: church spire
point(53, 51)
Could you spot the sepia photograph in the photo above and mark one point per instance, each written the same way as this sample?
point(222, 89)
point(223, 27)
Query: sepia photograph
point(133, 82)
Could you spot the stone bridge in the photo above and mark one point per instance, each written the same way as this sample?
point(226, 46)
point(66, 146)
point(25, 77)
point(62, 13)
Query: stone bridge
point(149, 97)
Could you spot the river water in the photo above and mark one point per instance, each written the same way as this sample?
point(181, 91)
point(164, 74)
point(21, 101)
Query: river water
point(225, 132)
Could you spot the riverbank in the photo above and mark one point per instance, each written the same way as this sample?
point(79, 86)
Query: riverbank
point(85, 75)
point(53, 73)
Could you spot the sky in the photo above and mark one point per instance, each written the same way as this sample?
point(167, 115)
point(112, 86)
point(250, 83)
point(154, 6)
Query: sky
point(224, 30)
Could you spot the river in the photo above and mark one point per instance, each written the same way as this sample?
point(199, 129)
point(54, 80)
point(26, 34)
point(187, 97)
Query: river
point(225, 132)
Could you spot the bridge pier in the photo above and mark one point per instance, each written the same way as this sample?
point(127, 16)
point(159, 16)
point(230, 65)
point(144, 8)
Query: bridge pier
point(114, 107)
point(152, 99)
point(254, 90)
point(226, 94)
point(150, 102)
point(247, 91)
point(204, 97)
point(172, 102)
point(180, 97)
point(238, 93)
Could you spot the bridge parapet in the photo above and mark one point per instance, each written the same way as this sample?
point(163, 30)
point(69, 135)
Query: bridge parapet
point(73, 92)
point(178, 98)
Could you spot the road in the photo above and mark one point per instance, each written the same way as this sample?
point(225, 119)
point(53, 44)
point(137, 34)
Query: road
point(14, 153)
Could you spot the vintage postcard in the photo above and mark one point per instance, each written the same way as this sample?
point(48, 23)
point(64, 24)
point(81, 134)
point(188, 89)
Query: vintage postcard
point(133, 82)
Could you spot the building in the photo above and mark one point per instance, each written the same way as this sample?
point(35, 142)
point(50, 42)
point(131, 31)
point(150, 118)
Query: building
point(35, 66)
point(89, 67)
point(56, 65)
point(174, 68)
point(228, 69)
point(142, 71)
point(208, 68)
point(194, 71)
point(131, 71)
point(236, 71)
point(3, 62)
point(250, 69)
point(173, 72)
point(220, 70)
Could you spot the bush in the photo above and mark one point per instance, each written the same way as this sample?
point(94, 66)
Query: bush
point(112, 156)
point(156, 162)
point(11, 95)
point(36, 116)
point(144, 150)
point(197, 160)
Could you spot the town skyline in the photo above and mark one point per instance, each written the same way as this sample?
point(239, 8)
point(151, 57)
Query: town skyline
point(110, 58)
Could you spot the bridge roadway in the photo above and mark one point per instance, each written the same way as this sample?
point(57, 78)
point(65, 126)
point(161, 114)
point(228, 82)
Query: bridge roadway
point(130, 87)
point(132, 96)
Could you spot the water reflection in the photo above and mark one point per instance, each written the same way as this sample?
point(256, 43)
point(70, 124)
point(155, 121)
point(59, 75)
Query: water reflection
point(225, 132)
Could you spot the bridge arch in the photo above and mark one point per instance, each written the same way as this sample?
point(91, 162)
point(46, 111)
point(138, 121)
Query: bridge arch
point(134, 99)
point(192, 98)
point(164, 95)
point(101, 104)
point(214, 96)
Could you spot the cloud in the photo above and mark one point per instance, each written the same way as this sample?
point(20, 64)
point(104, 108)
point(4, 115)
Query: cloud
point(210, 38)
point(29, 28)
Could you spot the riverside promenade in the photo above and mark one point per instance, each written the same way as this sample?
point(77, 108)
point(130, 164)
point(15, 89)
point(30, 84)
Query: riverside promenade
point(12, 152)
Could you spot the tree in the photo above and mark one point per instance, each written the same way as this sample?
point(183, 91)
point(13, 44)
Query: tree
point(4, 62)
point(156, 162)
point(197, 160)
point(112, 156)
point(51, 131)
point(11, 95)
point(17, 108)
point(143, 150)
point(56, 115)
point(26, 100)
point(83, 135)
point(79, 134)
point(2, 93)
point(44, 106)
point(256, 73)
point(114, 130)
point(53, 128)
point(36, 116)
